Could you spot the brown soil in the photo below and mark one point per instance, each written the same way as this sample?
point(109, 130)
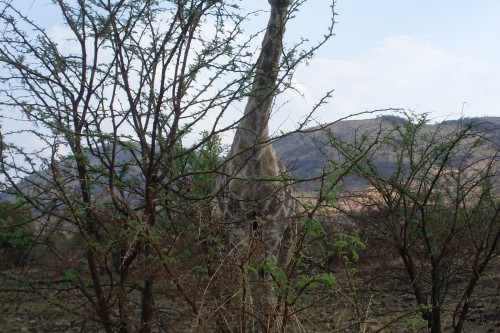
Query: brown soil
point(378, 305)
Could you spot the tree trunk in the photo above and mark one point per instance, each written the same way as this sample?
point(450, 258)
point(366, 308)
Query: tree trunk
point(436, 319)
point(147, 306)
point(436, 307)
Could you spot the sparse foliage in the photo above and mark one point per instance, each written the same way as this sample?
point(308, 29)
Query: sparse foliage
point(93, 140)
point(438, 209)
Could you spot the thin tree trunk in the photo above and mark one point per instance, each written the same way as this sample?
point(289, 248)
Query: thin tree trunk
point(436, 307)
point(436, 319)
point(102, 310)
point(147, 306)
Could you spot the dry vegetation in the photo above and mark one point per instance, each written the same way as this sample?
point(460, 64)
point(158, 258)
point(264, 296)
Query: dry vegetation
point(373, 293)
point(106, 225)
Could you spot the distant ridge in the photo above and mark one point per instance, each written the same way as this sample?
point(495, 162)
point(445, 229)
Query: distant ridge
point(305, 153)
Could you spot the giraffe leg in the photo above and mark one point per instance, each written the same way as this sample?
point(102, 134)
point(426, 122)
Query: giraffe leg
point(246, 248)
point(263, 260)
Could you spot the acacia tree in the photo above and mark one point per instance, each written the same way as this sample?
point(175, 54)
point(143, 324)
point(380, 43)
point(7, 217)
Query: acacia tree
point(106, 111)
point(438, 207)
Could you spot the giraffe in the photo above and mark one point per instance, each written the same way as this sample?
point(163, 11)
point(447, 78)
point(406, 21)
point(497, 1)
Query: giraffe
point(253, 192)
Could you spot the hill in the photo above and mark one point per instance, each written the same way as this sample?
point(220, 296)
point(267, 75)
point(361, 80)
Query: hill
point(305, 153)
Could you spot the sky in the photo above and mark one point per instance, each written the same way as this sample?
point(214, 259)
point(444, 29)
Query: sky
point(437, 57)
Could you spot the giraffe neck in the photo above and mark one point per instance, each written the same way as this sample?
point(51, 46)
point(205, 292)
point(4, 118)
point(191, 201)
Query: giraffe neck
point(253, 129)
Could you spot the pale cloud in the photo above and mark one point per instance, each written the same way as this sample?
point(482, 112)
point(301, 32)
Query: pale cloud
point(406, 72)
point(399, 72)
point(65, 39)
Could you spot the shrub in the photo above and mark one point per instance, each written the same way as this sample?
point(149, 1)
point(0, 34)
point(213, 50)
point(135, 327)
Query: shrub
point(16, 234)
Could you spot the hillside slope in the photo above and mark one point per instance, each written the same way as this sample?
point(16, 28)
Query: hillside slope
point(305, 154)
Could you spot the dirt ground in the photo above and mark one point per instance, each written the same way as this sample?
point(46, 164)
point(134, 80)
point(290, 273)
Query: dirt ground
point(375, 306)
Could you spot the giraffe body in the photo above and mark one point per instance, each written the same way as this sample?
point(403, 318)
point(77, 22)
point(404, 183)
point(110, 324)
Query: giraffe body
point(257, 198)
point(253, 190)
point(254, 194)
